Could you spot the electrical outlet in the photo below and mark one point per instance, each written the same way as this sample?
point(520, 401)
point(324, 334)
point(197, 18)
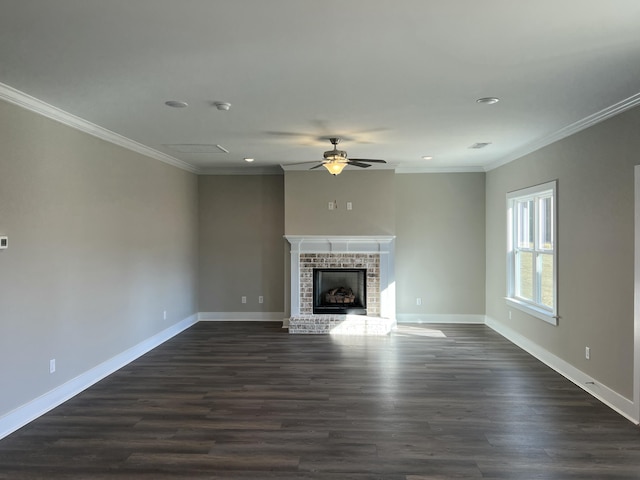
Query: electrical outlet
point(331, 205)
point(418, 301)
point(244, 299)
point(260, 299)
point(52, 365)
point(164, 315)
point(349, 206)
point(509, 314)
point(587, 353)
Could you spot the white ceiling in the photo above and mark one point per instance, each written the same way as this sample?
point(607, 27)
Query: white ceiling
point(396, 79)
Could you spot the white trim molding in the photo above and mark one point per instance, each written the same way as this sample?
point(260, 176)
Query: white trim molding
point(33, 104)
point(28, 412)
point(564, 132)
point(340, 243)
point(241, 316)
point(212, 171)
point(617, 402)
point(636, 307)
point(534, 306)
point(413, 169)
point(440, 318)
point(28, 102)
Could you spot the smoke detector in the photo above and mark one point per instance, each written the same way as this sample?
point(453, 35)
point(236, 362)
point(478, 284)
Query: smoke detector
point(222, 105)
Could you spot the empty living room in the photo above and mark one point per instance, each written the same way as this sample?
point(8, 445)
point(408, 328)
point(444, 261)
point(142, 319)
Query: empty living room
point(319, 240)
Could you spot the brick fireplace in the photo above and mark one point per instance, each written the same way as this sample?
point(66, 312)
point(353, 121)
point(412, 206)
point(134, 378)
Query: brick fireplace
point(373, 253)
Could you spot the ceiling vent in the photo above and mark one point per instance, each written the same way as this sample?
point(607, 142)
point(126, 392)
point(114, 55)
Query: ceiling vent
point(480, 145)
point(196, 148)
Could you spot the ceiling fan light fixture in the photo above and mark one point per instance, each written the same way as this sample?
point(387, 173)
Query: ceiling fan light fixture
point(335, 155)
point(335, 167)
point(335, 160)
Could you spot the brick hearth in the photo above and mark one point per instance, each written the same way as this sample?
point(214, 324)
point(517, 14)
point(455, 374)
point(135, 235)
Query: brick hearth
point(341, 325)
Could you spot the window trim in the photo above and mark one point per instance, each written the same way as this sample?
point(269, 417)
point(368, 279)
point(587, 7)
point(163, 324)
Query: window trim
point(531, 307)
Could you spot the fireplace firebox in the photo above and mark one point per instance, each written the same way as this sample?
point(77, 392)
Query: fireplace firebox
point(340, 291)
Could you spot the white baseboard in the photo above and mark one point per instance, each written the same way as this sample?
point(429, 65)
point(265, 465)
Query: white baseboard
point(28, 412)
point(439, 318)
point(617, 402)
point(241, 316)
point(24, 414)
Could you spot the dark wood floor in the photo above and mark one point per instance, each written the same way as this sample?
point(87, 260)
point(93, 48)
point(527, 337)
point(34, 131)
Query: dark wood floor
point(249, 401)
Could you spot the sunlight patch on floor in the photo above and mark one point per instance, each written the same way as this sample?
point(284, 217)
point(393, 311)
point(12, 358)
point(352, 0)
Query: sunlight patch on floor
point(406, 330)
point(363, 325)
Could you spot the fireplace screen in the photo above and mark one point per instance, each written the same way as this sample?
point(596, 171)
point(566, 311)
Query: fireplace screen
point(340, 291)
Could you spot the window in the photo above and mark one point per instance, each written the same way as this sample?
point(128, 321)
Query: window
point(532, 251)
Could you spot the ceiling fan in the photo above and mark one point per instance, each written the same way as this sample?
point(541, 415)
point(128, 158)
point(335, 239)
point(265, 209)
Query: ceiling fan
point(335, 160)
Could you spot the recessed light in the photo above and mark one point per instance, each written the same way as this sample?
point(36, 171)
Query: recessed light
point(427, 157)
point(488, 100)
point(249, 160)
point(176, 104)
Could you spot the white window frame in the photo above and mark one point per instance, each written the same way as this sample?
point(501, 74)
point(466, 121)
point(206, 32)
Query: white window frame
point(533, 307)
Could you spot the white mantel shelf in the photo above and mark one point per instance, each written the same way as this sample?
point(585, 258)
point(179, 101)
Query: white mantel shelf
point(340, 243)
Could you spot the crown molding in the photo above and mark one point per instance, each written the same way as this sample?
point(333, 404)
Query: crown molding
point(470, 169)
point(16, 97)
point(569, 130)
point(271, 170)
point(28, 102)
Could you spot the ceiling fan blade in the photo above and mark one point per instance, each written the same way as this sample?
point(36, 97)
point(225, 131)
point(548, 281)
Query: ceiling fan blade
point(317, 166)
point(356, 163)
point(367, 160)
point(287, 134)
point(304, 163)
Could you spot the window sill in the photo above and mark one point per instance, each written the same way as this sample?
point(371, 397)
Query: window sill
point(544, 315)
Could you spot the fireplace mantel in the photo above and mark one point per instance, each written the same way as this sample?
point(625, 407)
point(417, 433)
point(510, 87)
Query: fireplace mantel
point(341, 243)
point(380, 245)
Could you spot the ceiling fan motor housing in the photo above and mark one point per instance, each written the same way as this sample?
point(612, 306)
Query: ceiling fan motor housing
point(335, 154)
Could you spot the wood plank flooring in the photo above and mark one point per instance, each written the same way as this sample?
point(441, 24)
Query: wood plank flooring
point(246, 401)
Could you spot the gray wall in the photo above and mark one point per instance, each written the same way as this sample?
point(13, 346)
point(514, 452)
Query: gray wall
point(440, 243)
point(241, 230)
point(595, 173)
point(101, 241)
point(307, 195)
point(438, 220)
